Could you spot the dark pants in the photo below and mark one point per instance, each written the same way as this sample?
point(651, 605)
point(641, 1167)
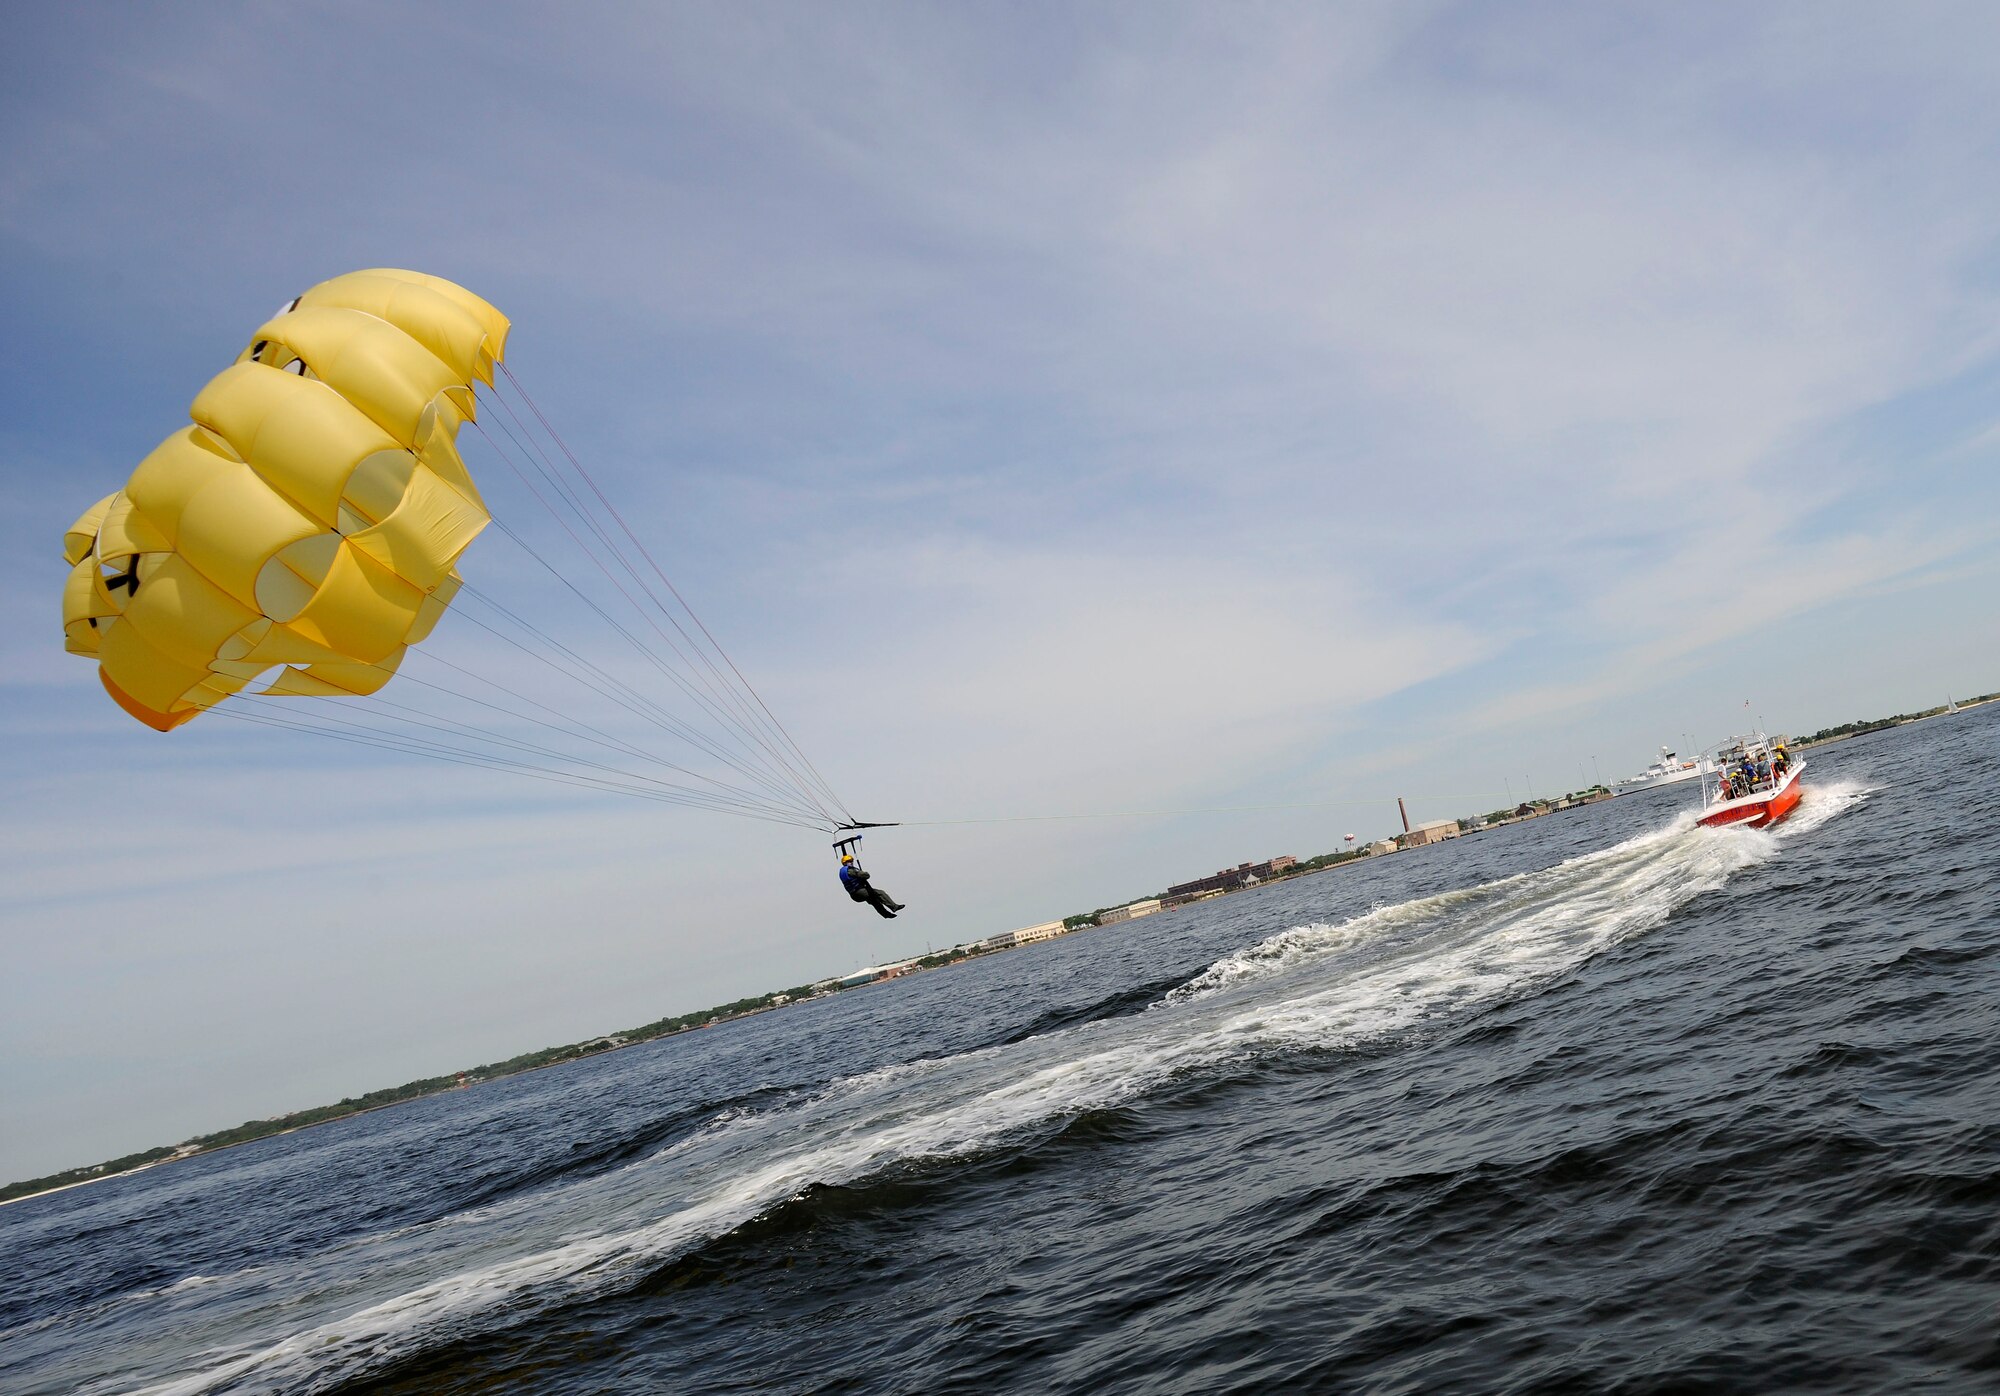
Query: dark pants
point(883, 903)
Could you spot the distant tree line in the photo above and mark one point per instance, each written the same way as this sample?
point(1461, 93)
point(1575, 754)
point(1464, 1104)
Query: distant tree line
point(1324, 860)
point(71, 1176)
point(1876, 724)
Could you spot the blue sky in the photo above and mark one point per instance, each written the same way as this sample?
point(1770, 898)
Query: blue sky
point(1053, 409)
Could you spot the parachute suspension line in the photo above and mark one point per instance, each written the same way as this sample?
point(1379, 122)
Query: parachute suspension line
point(616, 692)
point(632, 782)
point(596, 736)
point(776, 803)
point(468, 732)
point(594, 678)
point(736, 693)
point(713, 685)
point(473, 732)
point(653, 712)
point(440, 753)
point(675, 725)
point(601, 737)
point(576, 464)
point(732, 728)
point(683, 682)
point(716, 686)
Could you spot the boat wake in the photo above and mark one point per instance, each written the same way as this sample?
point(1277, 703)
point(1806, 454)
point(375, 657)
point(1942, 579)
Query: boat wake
point(1522, 928)
point(1820, 803)
point(1313, 989)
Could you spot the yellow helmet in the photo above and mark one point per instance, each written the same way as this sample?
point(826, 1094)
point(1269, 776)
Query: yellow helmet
point(847, 857)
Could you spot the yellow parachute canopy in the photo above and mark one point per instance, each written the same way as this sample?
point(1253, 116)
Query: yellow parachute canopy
point(311, 517)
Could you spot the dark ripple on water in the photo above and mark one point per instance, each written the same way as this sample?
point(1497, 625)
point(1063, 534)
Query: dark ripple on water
point(1699, 1112)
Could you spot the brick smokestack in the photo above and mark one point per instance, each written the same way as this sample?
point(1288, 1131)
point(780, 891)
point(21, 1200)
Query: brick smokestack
point(1405, 813)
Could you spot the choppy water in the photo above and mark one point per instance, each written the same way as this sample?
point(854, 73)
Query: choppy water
point(1602, 1102)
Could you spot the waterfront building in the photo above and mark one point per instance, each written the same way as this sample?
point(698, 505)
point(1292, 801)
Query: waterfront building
point(1437, 831)
point(1027, 935)
point(1229, 879)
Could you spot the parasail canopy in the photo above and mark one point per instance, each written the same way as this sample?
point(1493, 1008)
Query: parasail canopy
point(309, 519)
point(303, 533)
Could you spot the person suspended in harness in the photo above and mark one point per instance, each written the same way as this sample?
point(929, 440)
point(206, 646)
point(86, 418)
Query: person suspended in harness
point(855, 879)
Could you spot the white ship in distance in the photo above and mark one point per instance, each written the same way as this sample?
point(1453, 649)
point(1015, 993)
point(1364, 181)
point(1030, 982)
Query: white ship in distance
point(1665, 771)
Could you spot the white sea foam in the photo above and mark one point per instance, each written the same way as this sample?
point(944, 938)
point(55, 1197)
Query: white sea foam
point(1311, 987)
point(194, 1281)
point(1819, 803)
